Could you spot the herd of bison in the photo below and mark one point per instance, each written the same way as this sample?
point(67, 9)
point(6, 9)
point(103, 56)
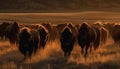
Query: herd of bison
point(33, 37)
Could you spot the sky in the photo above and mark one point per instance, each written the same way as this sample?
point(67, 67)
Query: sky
point(58, 5)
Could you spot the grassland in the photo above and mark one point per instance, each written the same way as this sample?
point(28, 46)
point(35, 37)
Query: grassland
point(106, 57)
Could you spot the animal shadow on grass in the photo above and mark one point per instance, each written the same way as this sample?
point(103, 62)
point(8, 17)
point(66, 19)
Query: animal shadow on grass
point(55, 63)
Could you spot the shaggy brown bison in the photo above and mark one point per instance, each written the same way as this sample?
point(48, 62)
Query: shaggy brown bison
point(98, 25)
point(44, 35)
point(67, 40)
point(104, 35)
point(87, 36)
point(34, 26)
point(50, 29)
point(60, 27)
point(77, 26)
point(116, 33)
point(96, 42)
point(2, 29)
point(109, 27)
point(47, 25)
point(72, 27)
point(28, 41)
point(11, 32)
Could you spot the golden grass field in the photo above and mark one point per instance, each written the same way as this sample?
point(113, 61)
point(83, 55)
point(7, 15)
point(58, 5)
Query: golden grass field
point(75, 18)
point(106, 57)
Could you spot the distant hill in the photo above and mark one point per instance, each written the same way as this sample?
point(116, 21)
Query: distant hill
point(58, 5)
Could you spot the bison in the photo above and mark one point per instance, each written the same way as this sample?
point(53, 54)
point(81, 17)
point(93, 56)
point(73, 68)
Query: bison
point(28, 41)
point(51, 31)
point(44, 35)
point(97, 25)
point(96, 42)
point(2, 29)
point(87, 36)
point(116, 33)
point(11, 32)
point(110, 27)
point(67, 40)
point(104, 35)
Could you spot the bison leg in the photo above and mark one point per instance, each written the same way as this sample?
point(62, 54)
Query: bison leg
point(42, 43)
point(69, 50)
point(82, 49)
point(86, 49)
point(30, 52)
point(95, 47)
point(23, 50)
point(65, 52)
point(25, 55)
point(12, 42)
point(35, 48)
point(2, 37)
point(91, 48)
point(64, 49)
point(69, 53)
point(45, 43)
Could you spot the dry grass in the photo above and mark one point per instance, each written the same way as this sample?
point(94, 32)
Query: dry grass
point(107, 56)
